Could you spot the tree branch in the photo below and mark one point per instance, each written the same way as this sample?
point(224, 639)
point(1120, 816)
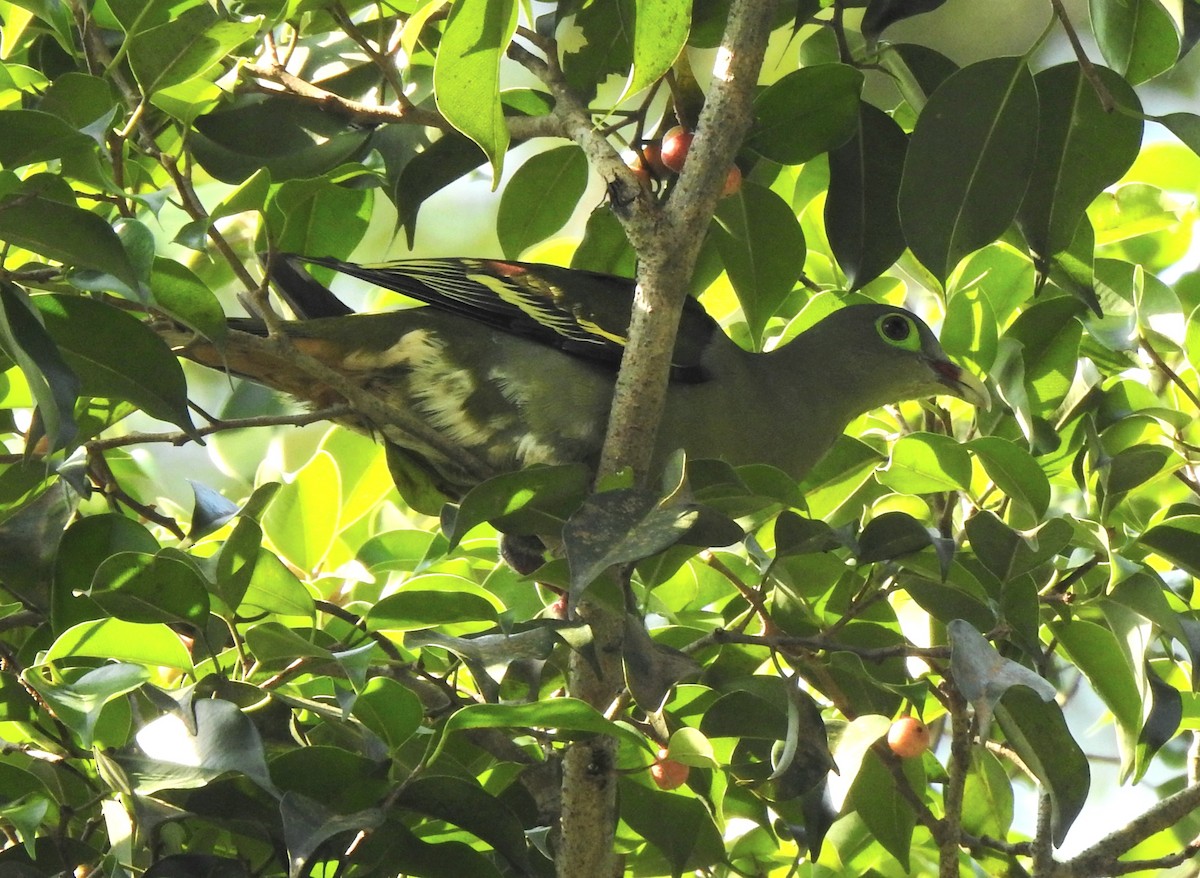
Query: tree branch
point(667, 242)
point(1085, 63)
point(373, 410)
point(290, 85)
point(950, 836)
point(667, 250)
point(178, 437)
point(1103, 857)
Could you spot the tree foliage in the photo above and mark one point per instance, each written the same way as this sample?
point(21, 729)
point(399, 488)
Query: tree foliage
point(291, 670)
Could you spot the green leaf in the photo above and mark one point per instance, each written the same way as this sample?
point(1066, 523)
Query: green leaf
point(1102, 658)
point(882, 13)
point(887, 815)
point(34, 136)
point(946, 602)
point(607, 46)
point(390, 710)
point(236, 562)
point(1081, 149)
point(275, 644)
point(181, 754)
point(84, 547)
point(891, 535)
point(805, 113)
point(604, 246)
point(570, 717)
point(434, 602)
point(1127, 469)
point(744, 714)
point(659, 34)
point(1178, 540)
point(540, 198)
point(678, 825)
point(405, 550)
point(1015, 472)
point(445, 160)
point(80, 703)
point(1185, 126)
point(154, 644)
point(1038, 732)
point(652, 670)
point(26, 815)
point(139, 587)
point(1162, 722)
point(185, 47)
point(253, 133)
point(969, 162)
point(179, 292)
point(763, 248)
point(615, 527)
point(987, 797)
point(466, 74)
point(52, 382)
point(302, 520)
point(274, 588)
point(319, 215)
point(1137, 37)
point(65, 233)
point(527, 502)
point(466, 804)
point(1049, 333)
point(861, 216)
point(1009, 553)
point(924, 463)
point(970, 331)
point(116, 356)
point(363, 470)
point(403, 851)
point(1002, 274)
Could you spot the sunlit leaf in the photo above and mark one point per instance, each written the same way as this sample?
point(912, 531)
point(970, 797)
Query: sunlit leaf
point(466, 75)
point(540, 198)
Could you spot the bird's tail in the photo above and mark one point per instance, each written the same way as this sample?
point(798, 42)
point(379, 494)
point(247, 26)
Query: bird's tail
point(307, 297)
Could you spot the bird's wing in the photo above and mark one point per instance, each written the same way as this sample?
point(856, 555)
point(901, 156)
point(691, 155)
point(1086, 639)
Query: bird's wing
point(583, 313)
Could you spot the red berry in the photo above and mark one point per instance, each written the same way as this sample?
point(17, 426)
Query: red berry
point(667, 773)
point(640, 170)
point(908, 737)
point(675, 146)
point(652, 156)
point(733, 181)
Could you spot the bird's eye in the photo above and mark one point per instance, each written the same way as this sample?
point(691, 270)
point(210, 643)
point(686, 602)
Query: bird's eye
point(898, 330)
point(895, 327)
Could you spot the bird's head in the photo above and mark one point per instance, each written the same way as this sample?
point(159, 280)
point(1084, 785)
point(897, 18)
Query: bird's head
point(889, 354)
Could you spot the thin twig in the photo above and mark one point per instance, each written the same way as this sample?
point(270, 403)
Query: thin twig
point(178, 437)
point(958, 769)
point(384, 62)
point(1085, 64)
point(273, 71)
point(1171, 374)
point(823, 644)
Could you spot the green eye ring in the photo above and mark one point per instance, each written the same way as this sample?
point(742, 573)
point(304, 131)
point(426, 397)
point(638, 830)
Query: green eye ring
point(899, 330)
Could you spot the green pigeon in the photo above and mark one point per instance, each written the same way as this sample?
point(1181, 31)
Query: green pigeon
point(511, 364)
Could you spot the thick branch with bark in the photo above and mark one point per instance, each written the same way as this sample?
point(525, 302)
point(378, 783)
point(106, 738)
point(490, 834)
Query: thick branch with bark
point(667, 242)
point(1103, 858)
point(667, 255)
